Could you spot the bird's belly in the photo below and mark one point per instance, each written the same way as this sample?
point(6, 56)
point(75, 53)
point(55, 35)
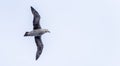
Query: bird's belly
point(35, 33)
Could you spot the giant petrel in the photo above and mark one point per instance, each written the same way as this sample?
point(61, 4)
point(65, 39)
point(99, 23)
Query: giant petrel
point(37, 32)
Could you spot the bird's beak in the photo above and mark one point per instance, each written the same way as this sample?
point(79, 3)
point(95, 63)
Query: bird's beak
point(48, 31)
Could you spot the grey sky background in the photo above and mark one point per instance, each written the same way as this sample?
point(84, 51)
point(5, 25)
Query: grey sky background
point(83, 33)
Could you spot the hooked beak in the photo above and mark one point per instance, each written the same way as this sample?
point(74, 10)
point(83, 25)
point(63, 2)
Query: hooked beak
point(48, 31)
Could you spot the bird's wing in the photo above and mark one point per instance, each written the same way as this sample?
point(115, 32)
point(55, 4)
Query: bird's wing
point(39, 46)
point(36, 19)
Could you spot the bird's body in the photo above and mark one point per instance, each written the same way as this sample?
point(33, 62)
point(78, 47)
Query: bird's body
point(37, 32)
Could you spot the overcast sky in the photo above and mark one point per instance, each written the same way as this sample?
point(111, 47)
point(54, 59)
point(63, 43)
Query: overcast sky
point(83, 33)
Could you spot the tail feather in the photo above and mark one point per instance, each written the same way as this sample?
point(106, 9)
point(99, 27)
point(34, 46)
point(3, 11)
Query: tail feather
point(26, 34)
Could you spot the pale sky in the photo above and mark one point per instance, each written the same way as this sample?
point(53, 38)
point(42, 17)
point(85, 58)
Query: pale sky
point(83, 33)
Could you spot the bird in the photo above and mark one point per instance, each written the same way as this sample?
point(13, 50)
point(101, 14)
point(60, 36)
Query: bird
point(37, 32)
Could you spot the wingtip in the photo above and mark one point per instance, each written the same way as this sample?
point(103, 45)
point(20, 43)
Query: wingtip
point(37, 56)
point(34, 11)
point(36, 59)
point(32, 8)
point(38, 53)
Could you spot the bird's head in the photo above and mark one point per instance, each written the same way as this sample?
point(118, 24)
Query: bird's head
point(46, 31)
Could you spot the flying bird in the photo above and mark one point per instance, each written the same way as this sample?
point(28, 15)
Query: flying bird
point(37, 32)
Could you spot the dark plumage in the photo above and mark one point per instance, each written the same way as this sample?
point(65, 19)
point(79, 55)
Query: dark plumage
point(39, 46)
point(37, 32)
point(36, 19)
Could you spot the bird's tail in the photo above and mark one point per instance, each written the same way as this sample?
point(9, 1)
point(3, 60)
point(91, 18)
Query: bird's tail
point(38, 53)
point(26, 34)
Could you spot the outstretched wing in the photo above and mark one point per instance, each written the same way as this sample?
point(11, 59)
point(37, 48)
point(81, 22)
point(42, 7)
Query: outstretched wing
point(39, 46)
point(36, 19)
